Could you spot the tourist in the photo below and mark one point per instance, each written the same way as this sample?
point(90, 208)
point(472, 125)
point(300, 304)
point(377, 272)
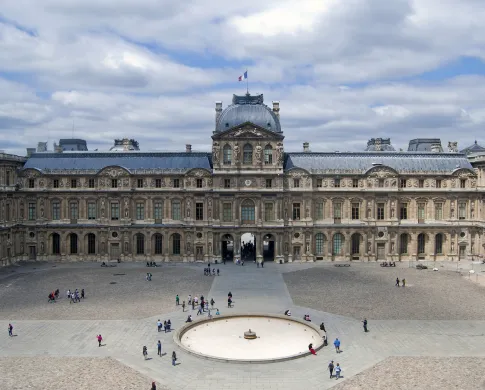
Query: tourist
point(57, 293)
point(311, 349)
point(209, 315)
point(174, 358)
point(189, 299)
point(397, 282)
point(212, 303)
point(306, 317)
point(165, 326)
point(288, 313)
point(230, 294)
point(159, 348)
point(200, 309)
point(218, 269)
point(365, 324)
point(217, 312)
point(154, 386)
point(145, 352)
point(229, 302)
point(82, 293)
point(330, 368)
point(189, 318)
point(338, 369)
point(193, 304)
point(336, 344)
point(322, 327)
point(10, 330)
point(68, 294)
point(100, 338)
point(213, 272)
point(177, 300)
point(159, 325)
point(183, 306)
point(404, 282)
point(262, 264)
point(195, 300)
point(169, 325)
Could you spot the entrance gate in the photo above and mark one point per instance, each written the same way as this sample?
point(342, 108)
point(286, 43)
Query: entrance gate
point(381, 251)
point(114, 253)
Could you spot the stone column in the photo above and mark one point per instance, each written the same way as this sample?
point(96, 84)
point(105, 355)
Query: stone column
point(237, 247)
point(259, 247)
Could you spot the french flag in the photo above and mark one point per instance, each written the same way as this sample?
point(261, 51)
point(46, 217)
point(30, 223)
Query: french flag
point(244, 76)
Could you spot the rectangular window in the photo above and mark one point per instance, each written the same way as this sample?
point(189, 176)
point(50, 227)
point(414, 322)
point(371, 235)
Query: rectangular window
point(32, 212)
point(7, 212)
point(158, 183)
point(462, 210)
point(269, 183)
point(336, 183)
point(462, 183)
point(31, 183)
point(176, 183)
point(268, 212)
point(227, 212)
point(7, 178)
point(56, 211)
point(158, 211)
point(403, 212)
point(319, 210)
point(91, 183)
point(91, 210)
point(355, 183)
point(296, 183)
point(421, 183)
point(337, 210)
point(199, 183)
point(115, 211)
point(73, 183)
point(140, 211)
point(139, 183)
point(176, 210)
point(247, 214)
point(114, 183)
point(438, 183)
point(199, 211)
point(438, 211)
point(296, 211)
point(319, 183)
point(355, 211)
point(380, 211)
point(268, 156)
point(55, 184)
point(381, 183)
point(73, 210)
point(227, 183)
point(402, 183)
point(421, 211)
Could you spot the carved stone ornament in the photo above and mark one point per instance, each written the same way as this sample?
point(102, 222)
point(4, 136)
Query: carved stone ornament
point(215, 153)
point(114, 172)
point(381, 173)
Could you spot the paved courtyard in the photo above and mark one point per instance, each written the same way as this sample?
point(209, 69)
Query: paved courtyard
point(438, 315)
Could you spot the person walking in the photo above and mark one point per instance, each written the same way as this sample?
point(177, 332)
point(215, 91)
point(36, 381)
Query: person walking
point(177, 300)
point(82, 293)
point(159, 325)
point(165, 326)
point(330, 368)
point(183, 306)
point(174, 358)
point(159, 348)
point(193, 304)
point(336, 344)
point(404, 282)
point(212, 303)
point(338, 369)
point(100, 338)
point(10, 330)
point(397, 282)
point(145, 352)
point(200, 309)
point(154, 386)
point(365, 324)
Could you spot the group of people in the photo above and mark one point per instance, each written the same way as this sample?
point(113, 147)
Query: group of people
point(148, 277)
point(166, 325)
point(53, 296)
point(159, 353)
point(207, 271)
point(152, 264)
point(229, 299)
point(74, 295)
point(247, 251)
point(400, 283)
point(388, 264)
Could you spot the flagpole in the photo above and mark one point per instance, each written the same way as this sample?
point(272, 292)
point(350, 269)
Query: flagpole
point(247, 83)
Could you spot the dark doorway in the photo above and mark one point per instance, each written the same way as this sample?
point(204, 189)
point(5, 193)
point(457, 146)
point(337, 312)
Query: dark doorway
point(268, 248)
point(227, 250)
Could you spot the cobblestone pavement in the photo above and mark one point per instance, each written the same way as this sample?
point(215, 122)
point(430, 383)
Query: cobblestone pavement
point(254, 290)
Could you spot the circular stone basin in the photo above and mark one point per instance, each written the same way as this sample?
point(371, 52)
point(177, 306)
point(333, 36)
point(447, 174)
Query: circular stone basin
point(223, 338)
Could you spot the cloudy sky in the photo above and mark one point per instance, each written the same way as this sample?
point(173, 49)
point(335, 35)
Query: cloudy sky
point(343, 71)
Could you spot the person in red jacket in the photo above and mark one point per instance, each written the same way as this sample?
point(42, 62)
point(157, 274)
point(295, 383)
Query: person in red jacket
point(100, 338)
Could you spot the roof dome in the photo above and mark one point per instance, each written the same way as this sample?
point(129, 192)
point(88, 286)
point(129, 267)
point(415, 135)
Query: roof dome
point(248, 109)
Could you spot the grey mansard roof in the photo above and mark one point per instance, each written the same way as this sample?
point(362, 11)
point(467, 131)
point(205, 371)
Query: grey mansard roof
point(248, 109)
point(132, 161)
point(359, 163)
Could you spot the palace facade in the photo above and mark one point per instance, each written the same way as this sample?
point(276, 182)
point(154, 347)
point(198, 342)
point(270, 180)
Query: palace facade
point(78, 205)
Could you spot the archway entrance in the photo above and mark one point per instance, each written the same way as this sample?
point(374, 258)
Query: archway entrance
point(268, 247)
point(227, 248)
point(248, 247)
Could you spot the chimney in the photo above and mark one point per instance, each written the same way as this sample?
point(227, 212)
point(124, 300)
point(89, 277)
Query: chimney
point(276, 108)
point(188, 148)
point(218, 110)
point(436, 148)
point(306, 147)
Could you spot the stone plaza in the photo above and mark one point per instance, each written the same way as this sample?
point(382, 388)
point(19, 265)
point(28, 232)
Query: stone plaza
point(428, 334)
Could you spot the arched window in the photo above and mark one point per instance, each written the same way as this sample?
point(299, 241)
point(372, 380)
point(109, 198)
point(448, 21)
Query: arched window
point(176, 244)
point(438, 244)
point(421, 243)
point(247, 212)
point(140, 244)
point(268, 154)
point(56, 244)
point(247, 154)
point(91, 244)
point(338, 241)
point(73, 243)
point(355, 243)
point(403, 245)
point(227, 155)
point(319, 244)
point(158, 244)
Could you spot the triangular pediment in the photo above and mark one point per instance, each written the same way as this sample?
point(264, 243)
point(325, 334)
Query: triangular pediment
point(248, 130)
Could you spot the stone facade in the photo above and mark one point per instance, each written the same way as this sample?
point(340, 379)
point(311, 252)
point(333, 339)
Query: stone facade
point(196, 206)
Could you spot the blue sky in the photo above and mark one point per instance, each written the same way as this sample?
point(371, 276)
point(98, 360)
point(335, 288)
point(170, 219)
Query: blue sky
point(343, 72)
